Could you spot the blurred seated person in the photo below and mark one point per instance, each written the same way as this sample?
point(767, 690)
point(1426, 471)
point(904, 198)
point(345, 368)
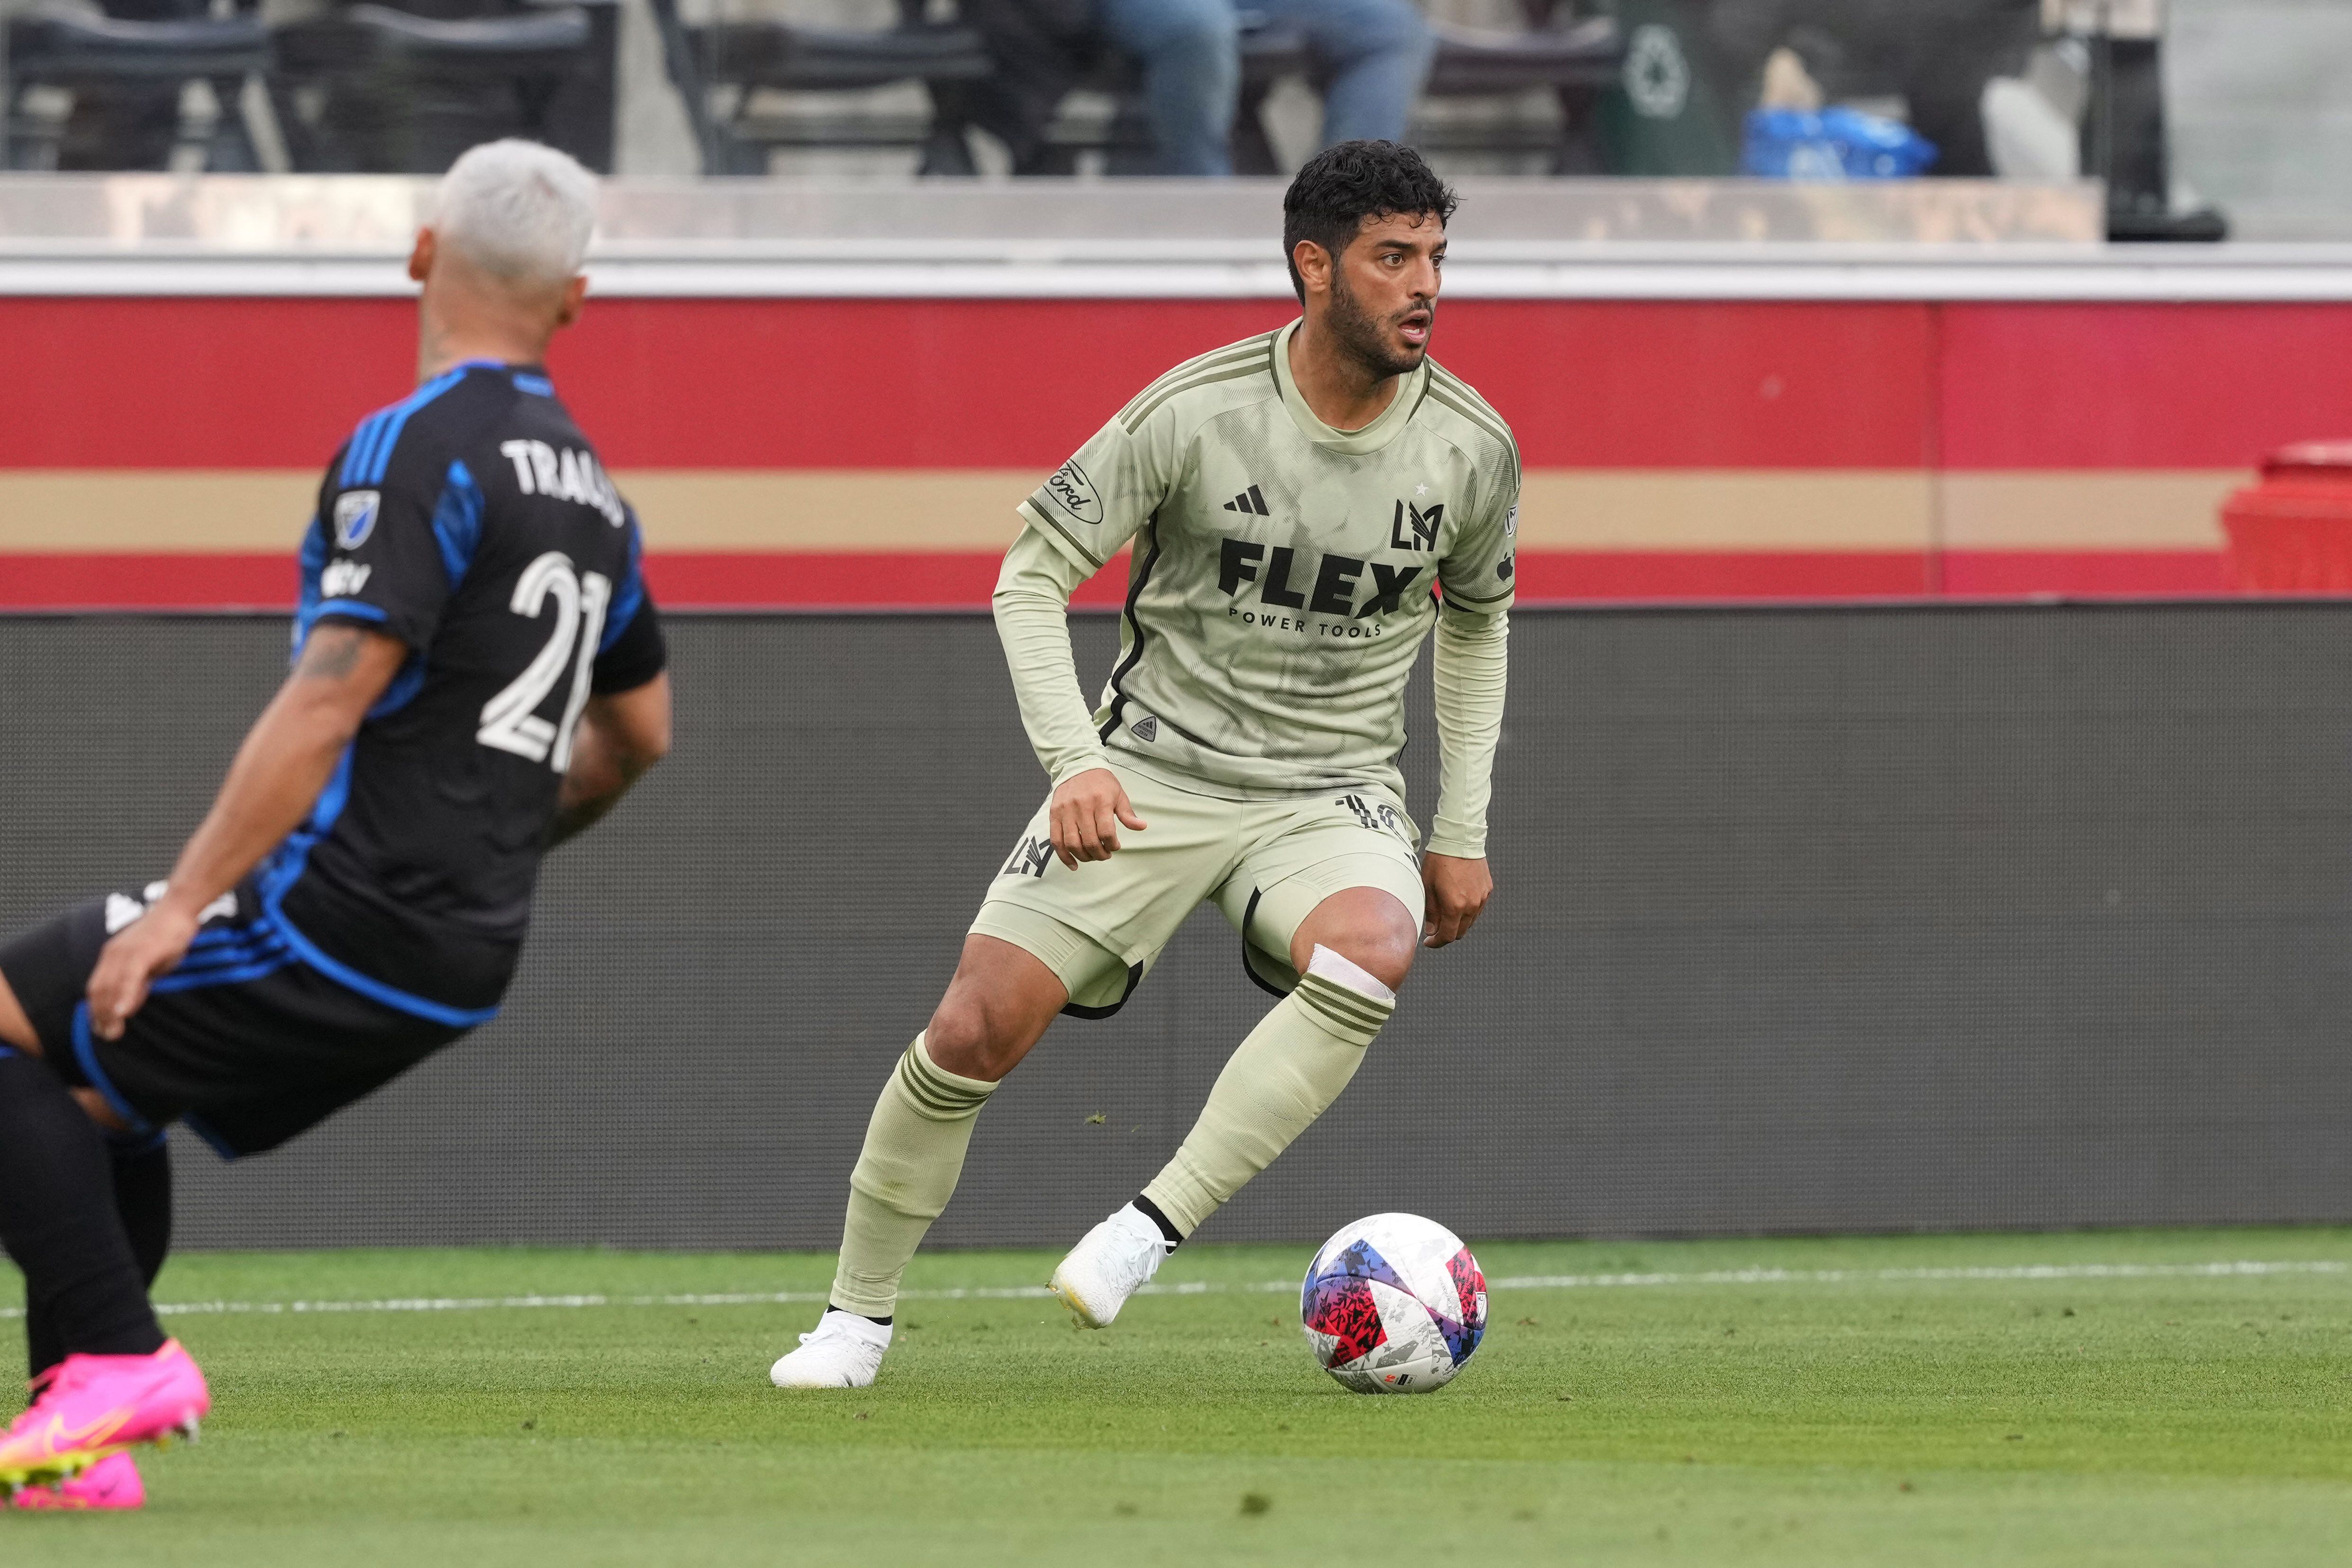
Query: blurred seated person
point(1372, 55)
point(1937, 56)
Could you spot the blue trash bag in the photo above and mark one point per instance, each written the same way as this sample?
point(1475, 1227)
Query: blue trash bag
point(1836, 144)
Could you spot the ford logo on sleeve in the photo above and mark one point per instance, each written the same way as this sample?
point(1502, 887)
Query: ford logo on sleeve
point(1075, 494)
point(355, 513)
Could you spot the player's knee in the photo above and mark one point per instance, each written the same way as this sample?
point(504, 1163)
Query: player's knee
point(94, 1106)
point(966, 1038)
point(1385, 954)
point(1368, 928)
point(1000, 1002)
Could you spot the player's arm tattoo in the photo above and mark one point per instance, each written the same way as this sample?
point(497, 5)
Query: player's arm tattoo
point(331, 654)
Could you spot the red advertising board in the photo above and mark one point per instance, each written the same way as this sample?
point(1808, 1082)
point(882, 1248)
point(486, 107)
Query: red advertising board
point(813, 452)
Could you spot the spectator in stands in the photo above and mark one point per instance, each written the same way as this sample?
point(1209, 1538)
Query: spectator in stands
point(1936, 56)
point(1374, 55)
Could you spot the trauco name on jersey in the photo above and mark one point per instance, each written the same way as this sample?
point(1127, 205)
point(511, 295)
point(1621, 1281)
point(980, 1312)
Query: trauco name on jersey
point(569, 475)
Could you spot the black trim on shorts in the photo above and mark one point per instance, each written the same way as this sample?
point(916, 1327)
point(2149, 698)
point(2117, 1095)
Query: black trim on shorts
point(1249, 969)
point(1134, 978)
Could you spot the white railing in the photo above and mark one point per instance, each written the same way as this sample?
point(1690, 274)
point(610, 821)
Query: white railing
point(1595, 239)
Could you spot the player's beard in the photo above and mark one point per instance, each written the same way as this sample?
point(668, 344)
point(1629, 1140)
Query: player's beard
point(1365, 339)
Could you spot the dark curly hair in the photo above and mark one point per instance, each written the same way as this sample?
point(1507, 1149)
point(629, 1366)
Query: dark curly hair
point(1343, 185)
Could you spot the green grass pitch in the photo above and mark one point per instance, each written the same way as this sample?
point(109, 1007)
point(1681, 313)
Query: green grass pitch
point(1883, 1404)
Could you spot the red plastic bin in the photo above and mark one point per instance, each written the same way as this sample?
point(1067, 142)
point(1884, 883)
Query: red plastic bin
point(2291, 531)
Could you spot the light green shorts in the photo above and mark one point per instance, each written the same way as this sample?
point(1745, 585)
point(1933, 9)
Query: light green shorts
point(1100, 926)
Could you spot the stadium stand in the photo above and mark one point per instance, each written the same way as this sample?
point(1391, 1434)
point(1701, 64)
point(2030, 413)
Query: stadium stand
point(361, 89)
point(1557, 87)
point(1573, 62)
point(719, 69)
point(126, 73)
point(401, 92)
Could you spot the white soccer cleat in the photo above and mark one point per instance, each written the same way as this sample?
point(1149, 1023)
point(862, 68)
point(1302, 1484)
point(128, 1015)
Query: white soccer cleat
point(844, 1351)
point(1114, 1261)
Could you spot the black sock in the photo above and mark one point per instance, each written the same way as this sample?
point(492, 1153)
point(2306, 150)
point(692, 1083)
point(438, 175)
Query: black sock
point(869, 1317)
point(58, 1217)
point(1150, 1211)
point(142, 1199)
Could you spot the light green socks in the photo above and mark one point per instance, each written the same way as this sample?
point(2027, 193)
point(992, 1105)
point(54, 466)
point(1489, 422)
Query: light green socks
point(1282, 1077)
point(914, 1152)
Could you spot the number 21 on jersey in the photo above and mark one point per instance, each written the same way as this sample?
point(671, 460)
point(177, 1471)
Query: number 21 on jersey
point(510, 720)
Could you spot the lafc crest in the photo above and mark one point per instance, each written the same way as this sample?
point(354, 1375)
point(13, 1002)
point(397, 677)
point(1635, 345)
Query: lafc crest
point(1425, 525)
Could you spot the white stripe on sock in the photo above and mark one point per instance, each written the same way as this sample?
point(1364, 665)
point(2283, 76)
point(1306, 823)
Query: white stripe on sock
point(1344, 972)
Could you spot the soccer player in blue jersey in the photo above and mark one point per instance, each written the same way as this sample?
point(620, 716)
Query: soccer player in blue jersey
point(478, 674)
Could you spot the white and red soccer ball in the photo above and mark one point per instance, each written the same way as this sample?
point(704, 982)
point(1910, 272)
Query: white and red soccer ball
point(1393, 1304)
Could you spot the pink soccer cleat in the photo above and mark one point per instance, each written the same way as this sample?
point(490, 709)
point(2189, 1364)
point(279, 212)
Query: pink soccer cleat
point(91, 1406)
point(111, 1483)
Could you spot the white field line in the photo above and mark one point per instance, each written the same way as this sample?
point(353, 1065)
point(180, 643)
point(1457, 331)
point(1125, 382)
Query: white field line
point(1851, 1276)
point(2023, 1273)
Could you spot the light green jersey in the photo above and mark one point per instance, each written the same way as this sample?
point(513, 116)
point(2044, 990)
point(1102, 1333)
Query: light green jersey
point(1282, 578)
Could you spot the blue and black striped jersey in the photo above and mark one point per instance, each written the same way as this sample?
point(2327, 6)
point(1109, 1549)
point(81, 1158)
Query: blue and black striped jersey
point(472, 521)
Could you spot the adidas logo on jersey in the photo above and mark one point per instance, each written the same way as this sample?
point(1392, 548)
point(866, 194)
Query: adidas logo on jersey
point(1145, 729)
point(1251, 500)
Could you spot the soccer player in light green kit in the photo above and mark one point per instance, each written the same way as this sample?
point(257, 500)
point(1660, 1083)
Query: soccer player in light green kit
point(1298, 503)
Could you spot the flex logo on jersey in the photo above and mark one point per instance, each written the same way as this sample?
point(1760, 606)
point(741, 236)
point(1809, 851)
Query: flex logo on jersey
point(1328, 588)
point(570, 475)
point(355, 514)
point(1424, 533)
point(1074, 493)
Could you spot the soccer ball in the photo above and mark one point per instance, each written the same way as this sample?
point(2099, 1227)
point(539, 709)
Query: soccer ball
point(1393, 1304)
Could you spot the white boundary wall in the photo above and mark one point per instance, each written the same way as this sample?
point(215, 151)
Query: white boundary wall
point(149, 234)
point(1078, 270)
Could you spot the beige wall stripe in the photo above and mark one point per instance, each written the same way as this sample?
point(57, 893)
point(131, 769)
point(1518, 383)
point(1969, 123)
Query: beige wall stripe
point(259, 510)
